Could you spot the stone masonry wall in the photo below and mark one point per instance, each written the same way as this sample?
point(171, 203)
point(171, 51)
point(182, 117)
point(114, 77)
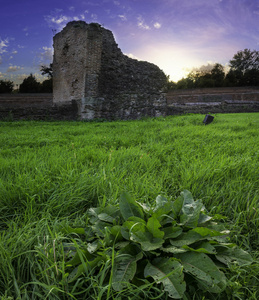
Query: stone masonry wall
point(41, 107)
point(34, 107)
point(91, 70)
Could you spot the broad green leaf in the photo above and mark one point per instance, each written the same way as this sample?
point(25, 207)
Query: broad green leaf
point(160, 202)
point(215, 226)
point(187, 238)
point(124, 270)
point(206, 232)
point(170, 273)
point(177, 206)
point(125, 233)
point(191, 212)
point(116, 232)
point(132, 226)
point(146, 240)
point(105, 217)
point(171, 232)
point(131, 249)
point(93, 213)
point(165, 214)
point(204, 218)
point(136, 220)
point(204, 270)
point(234, 256)
point(129, 207)
point(68, 229)
point(153, 226)
point(92, 247)
point(122, 245)
point(112, 210)
point(188, 198)
point(99, 228)
point(173, 250)
point(206, 247)
point(194, 235)
point(146, 208)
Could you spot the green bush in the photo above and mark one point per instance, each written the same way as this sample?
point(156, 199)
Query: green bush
point(174, 244)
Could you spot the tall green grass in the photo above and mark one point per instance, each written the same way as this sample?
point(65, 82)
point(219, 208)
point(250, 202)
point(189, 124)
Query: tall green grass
point(51, 172)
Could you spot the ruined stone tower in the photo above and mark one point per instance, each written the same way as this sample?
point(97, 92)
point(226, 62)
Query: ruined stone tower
point(90, 70)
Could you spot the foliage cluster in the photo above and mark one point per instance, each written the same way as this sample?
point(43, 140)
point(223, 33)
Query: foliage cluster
point(51, 173)
point(31, 85)
point(6, 86)
point(174, 243)
point(243, 71)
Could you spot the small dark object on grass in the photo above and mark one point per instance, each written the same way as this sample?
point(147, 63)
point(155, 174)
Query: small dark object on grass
point(208, 119)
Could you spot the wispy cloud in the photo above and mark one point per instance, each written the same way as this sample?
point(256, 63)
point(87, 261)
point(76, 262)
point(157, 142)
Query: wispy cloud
point(142, 24)
point(13, 69)
point(122, 17)
point(3, 45)
point(57, 19)
point(45, 55)
point(157, 25)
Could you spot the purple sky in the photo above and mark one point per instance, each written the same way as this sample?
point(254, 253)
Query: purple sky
point(177, 35)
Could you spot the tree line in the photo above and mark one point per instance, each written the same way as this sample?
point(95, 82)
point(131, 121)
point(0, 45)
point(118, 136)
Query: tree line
point(243, 71)
point(30, 83)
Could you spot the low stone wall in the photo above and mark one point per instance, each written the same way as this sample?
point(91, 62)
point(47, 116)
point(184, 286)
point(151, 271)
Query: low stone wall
point(34, 107)
point(221, 100)
point(227, 106)
point(186, 98)
point(41, 107)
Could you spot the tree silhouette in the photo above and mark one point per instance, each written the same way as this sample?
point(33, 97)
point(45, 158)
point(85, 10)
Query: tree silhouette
point(6, 86)
point(30, 85)
point(244, 68)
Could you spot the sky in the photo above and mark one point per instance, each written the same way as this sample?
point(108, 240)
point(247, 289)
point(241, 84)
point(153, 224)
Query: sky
point(176, 35)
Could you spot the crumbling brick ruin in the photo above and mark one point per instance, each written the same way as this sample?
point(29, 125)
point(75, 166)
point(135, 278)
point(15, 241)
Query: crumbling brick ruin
point(90, 70)
point(93, 80)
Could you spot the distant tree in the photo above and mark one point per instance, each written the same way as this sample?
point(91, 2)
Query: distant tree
point(207, 76)
point(218, 75)
point(233, 78)
point(30, 85)
point(6, 86)
point(170, 85)
point(244, 68)
point(46, 86)
point(47, 71)
point(185, 83)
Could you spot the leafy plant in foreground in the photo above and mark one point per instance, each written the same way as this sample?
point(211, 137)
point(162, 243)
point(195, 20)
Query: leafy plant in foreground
point(173, 243)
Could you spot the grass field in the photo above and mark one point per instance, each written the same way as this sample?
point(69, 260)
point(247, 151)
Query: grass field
point(52, 172)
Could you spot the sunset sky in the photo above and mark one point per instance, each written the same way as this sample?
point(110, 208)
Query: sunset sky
point(177, 35)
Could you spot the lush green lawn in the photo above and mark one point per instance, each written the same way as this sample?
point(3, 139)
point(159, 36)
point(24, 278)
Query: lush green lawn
point(51, 172)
